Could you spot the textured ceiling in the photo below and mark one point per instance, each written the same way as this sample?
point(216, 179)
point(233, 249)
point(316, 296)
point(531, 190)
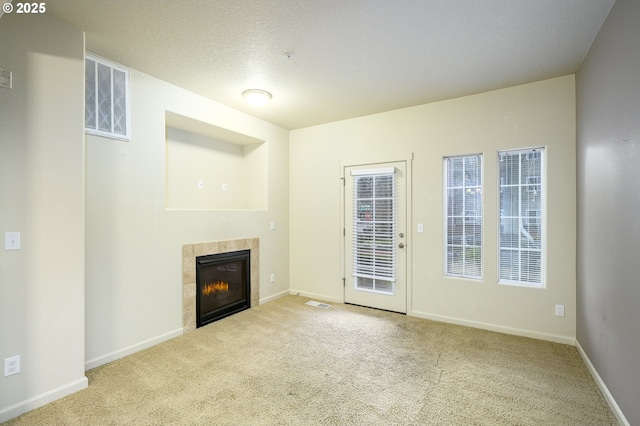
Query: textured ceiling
point(350, 57)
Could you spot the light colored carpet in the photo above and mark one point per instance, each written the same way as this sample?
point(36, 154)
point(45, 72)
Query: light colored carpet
point(287, 363)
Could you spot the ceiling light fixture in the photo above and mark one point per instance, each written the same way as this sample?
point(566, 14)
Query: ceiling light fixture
point(257, 97)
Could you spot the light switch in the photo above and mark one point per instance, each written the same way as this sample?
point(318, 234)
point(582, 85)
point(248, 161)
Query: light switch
point(12, 241)
point(420, 227)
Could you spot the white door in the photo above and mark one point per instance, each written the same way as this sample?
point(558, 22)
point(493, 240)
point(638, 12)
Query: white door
point(375, 236)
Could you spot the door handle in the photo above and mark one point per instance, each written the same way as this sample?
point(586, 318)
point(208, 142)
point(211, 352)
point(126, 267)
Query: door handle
point(401, 245)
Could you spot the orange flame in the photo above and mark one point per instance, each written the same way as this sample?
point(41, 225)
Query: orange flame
point(214, 287)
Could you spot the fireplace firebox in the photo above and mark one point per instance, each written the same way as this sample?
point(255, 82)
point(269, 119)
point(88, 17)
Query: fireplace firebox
point(222, 285)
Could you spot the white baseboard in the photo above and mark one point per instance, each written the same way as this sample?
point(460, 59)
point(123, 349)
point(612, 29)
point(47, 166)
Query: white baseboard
point(42, 399)
point(104, 359)
point(320, 297)
point(497, 328)
point(603, 388)
point(274, 297)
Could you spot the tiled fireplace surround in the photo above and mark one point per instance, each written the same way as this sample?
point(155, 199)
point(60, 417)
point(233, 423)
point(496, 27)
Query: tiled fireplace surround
point(189, 254)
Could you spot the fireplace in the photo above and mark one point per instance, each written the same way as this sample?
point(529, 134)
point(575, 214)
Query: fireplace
point(222, 285)
point(190, 252)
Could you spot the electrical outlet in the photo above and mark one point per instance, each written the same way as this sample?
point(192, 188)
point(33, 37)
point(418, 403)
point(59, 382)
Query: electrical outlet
point(559, 310)
point(273, 277)
point(11, 365)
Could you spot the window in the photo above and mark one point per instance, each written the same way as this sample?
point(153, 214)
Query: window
point(463, 216)
point(522, 215)
point(374, 260)
point(106, 91)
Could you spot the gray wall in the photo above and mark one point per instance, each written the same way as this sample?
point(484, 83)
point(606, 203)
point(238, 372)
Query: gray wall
point(608, 152)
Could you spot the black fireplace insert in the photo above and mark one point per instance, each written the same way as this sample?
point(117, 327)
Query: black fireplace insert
point(222, 285)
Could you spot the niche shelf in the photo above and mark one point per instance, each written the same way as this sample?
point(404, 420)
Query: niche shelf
point(212, 168)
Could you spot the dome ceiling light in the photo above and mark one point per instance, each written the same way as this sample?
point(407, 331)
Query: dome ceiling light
point(257, 97)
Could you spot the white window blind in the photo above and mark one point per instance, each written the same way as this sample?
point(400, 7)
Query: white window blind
point(522, 215)
point(374, 219)
point(107, 109)
point(463, 216)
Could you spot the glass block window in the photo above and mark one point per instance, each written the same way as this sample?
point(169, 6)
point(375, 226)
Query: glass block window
point(107, 106)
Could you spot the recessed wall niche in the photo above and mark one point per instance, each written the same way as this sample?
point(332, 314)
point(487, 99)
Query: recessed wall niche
point(212, 168)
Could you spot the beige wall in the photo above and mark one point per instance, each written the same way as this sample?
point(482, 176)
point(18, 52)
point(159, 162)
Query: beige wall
point(41, 196)
point(134, 244)
point(193, 157)
point(538, 114)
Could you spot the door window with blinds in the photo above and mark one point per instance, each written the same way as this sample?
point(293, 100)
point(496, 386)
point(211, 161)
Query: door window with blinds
point(374, 257)
point(463, 216)
point(522, 215)
point(107, 109)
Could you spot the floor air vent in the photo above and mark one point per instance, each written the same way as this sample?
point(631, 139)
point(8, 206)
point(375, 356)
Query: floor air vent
point(317, 304)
